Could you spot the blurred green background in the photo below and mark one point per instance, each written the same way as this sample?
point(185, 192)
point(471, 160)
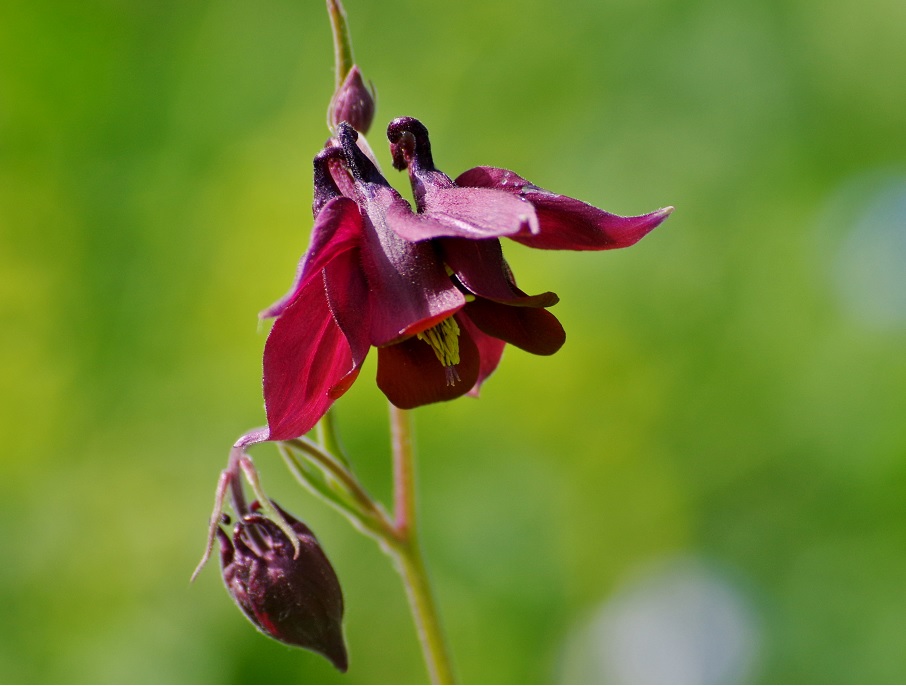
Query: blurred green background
point(718, 452)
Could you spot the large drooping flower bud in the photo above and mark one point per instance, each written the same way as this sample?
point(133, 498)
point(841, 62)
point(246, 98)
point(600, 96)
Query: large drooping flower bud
point(298, 600)
point(353, 103)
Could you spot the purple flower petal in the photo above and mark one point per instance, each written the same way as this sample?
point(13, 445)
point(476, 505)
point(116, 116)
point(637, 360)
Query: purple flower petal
point(350, 305)
point(305, 357)
point(481, 268)
point(410, 290)
point(338, 228)
point(444, 209)
point(565, 223)
point(490, 350)
point(410, 374)
point(473, 213)
point(532, 329)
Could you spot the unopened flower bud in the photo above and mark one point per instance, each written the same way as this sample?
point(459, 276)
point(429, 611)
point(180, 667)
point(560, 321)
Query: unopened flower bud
point(353, 103)
point(298, 600)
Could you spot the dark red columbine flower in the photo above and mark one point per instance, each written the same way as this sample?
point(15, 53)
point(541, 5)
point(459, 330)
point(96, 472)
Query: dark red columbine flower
point(296, 600)
point(429, 289)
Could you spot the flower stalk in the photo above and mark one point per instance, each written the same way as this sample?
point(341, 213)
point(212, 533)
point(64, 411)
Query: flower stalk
point(338, 486)
point(327, 436)
point(342, 44)
point(403, 470)
point(411, 566)
point(408, 555)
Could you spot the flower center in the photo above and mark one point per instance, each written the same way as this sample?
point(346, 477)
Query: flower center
point(444, 341)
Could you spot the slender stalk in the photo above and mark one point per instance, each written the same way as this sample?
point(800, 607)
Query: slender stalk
point(336, 470)
point(407, 552)
point(328, 438)
point(403, 472)
point(364, 512)
point(342, 45)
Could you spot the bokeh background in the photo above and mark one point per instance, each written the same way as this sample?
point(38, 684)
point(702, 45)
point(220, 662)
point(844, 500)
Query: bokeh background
point(708, 483)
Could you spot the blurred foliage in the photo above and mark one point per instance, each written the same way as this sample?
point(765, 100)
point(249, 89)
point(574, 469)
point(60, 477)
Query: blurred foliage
point(716, 396)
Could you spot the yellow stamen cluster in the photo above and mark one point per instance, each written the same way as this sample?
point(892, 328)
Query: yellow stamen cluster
point(444, 341)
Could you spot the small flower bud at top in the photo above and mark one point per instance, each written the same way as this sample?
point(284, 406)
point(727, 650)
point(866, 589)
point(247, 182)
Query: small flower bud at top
point(297, 601)
point(353, 102)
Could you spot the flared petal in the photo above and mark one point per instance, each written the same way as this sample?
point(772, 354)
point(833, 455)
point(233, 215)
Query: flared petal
point(338, 228)
point(410, 375)
point(306, 356)
point(481, 268)
point(490, 350)
point(565, 223)
point(409, 288)
point(350, 304)
point(532, 329)
point(444, 209)
point(472, 213)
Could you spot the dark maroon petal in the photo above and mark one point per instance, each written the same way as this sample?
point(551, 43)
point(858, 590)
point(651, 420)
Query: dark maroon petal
point(472, 213)
point(535, 330)
point(565, 223)
point(490, 350)
point(410, 375)
point(349, 302)
point(338, 228)
point(481, 269)
point(410, 289)
point(306, 356)
point(443, 208)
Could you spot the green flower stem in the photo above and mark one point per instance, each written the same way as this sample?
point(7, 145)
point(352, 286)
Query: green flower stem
point(403, 472)
point(411, 566)
point(357, 505)
point(327, 437)
point(338, 471)
point(342, 44)
point(408, 555)
point(307, 475)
